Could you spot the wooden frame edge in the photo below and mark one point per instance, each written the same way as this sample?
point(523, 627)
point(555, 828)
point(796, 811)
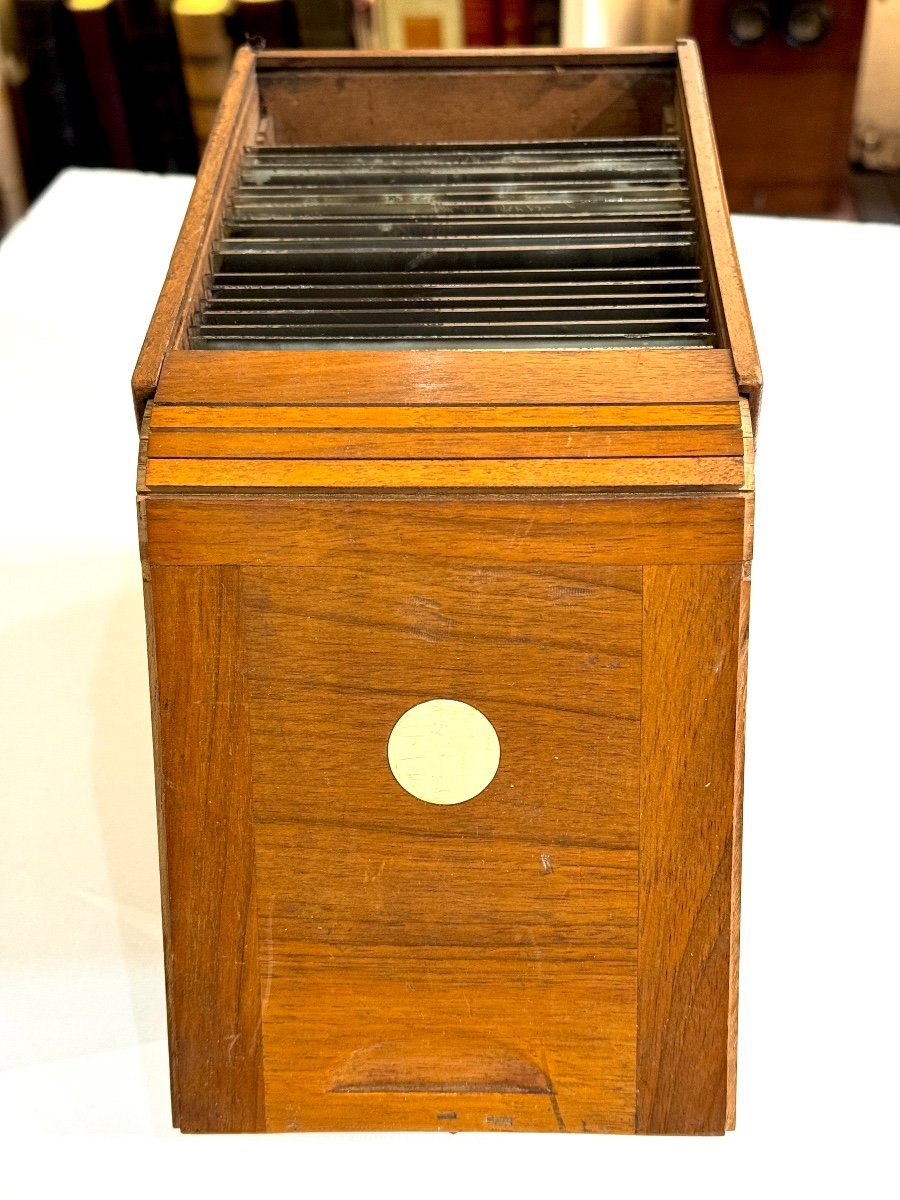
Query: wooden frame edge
point(237, 106)
point(524, 57)
point(716, 220)
point(691, 675)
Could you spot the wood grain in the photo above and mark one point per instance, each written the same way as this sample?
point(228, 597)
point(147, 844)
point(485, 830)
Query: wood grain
point(472, 59)
point(400, 942)
point(203, 764)
point(233, 475)
point(426, 377)
point(737, 841)
point(567, 529)
point(458, 99)
point(706, 173)
point(689, 730)
point(457, 416)
point(497, 444)
point(560, 538)
point(235, 125)
point(793, 156)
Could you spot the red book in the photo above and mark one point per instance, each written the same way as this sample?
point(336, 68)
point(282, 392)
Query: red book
point(514, 22)
point(481, 22)
point(102, 49)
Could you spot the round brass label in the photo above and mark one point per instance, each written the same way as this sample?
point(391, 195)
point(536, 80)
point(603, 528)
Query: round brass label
point(443, 751)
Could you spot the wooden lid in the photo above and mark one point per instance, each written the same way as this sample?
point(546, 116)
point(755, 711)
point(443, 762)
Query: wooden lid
point(231, 421)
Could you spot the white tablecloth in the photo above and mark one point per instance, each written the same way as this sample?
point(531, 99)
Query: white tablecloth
point(82, 1015)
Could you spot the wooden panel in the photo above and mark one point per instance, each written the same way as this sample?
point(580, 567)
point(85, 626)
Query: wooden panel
point(567, 529)
point(547, 444)
point(235, 125)
point(737, 844)
point(691, 655)
point(274, 61)
point(460, 416)
point(445, 377)
point(478, 958)
point(559, 952)
point(237, 474)
point(440, 1040)
point(203, 768)
point(367, 102)
point(722, 263)
point(793, 156)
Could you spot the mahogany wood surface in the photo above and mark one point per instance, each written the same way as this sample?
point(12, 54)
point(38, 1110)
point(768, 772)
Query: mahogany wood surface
point(206, 846)
point(718, 239)
point(382, 96)
point(400, 941)
point(459, 443)
point(276, 530)
point(558, 538)
point(231, 474)
point(235, 126)
point(783, 113)
point(452, 104)
point(690, 655)
point(483, 377)
point(334, 646)
point(459, 417)
point(477, 59)
point(737, 832)
point(496, 454)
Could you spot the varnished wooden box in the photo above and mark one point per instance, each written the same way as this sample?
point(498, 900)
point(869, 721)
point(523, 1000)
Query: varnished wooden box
point(782, 107)
point(508, 466)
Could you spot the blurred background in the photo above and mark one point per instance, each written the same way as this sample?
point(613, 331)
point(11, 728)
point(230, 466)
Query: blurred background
point(805, 94)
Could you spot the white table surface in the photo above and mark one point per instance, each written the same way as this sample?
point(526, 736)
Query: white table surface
point(82, 1014)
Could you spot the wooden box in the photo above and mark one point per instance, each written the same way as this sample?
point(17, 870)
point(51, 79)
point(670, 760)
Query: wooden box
point(782, 78)
point(445, 499)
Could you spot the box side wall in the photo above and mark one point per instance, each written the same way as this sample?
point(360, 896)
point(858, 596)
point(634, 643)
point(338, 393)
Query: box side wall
point(198, 553)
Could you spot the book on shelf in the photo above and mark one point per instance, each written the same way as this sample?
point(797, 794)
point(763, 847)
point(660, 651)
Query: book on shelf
point(364, 26)
point(325, 24)
point(480, 22)
point(272, 23)
point(155, 96)
point(13, 197)
point(420, 24)
point(664, 21)
point(57, 118)
point(202, 28)
point(599, 23)
point(544, 22)
point(514, 21)
point(102, 44)
point(446, 24)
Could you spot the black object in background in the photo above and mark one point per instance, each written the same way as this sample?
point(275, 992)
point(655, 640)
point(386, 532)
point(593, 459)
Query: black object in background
point(155, 98)
point(324, 24)
point(272, 23)
point(103, 51)
point(56, 108)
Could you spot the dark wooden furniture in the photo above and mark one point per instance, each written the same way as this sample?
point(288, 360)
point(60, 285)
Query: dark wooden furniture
point(782, 76)
point(531, 504)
